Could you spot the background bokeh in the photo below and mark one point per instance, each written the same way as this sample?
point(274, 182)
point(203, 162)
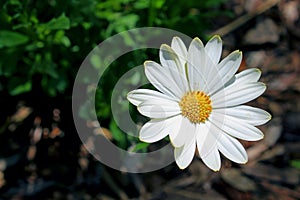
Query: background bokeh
point(42, 45)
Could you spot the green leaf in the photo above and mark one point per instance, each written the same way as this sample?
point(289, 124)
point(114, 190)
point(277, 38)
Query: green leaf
point(141, 146)
point(143, 4)
point(136, 78)
point(61, 85)
point(66, 41)
point(95, 61)
point(84, 111)
point(117, 134)
point(60, 38)
point(11, 39)
point(62, 22)
point(295, 164)
point(213, 3)
point(21, 88)
point(9, 60)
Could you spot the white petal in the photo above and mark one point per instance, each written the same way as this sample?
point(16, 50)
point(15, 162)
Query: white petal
point(232, 149)
point(210, 72)
point(247, 114)
point(230, 64)
point(206, 136)
point(138, 96)
point(162, 108)
point(235, 127)
point(248, 75)
point(185, 154)
point(213, 160)
point(180, 49)
point(170, 60)
point(244, 77)
point(157, 129)
point(196, 65)
point(213, 49)
point(161, 79)
point(182, 132)
point(233, 96)
point(227, 68)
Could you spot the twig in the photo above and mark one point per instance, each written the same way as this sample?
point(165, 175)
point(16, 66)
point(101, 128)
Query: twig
point(183, 193)
point(243, 19)
point(111, 183)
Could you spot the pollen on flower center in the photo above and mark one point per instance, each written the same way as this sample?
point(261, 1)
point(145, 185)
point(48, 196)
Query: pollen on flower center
point(196, 106)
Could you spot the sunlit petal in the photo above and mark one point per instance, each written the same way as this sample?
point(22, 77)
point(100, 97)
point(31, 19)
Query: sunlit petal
point(180, 49)
point(159, 108)
point(236, 128)
point(157, 129)
point(232, 149)
point(195, 64)
point(182, 132)
point(138, 96)
point(185, 154)
point(213, 49)
point(213, 160)
point(247, 114)
point(227, 68)
point(234, 96)
point(206, 137)
point(161, 79)
point(170, 60)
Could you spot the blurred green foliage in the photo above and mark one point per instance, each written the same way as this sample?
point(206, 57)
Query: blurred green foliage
point(50, 39)
point(295, 163)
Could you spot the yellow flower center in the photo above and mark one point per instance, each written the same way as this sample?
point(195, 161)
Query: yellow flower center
point(196, 106)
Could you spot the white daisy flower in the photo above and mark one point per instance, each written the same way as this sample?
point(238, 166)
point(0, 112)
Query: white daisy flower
point(198, 102)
